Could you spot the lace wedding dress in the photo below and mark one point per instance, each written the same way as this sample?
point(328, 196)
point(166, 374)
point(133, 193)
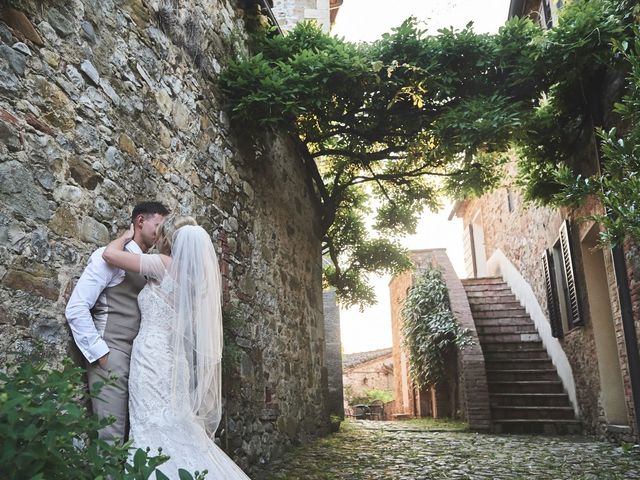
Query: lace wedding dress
point(159, 417)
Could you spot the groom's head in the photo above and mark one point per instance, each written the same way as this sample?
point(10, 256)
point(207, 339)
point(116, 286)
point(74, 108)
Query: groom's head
point(146, 217)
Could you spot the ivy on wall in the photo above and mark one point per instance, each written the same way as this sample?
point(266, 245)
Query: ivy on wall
point(429, 328)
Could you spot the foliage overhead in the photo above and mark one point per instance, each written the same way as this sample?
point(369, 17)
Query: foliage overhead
point(397, 123)
point(429, 328)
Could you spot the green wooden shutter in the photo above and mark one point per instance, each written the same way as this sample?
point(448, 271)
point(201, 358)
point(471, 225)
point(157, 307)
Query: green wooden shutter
point(573, 290)
point(552, 294)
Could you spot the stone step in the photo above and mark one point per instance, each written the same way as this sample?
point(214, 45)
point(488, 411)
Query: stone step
point(480, 298)
point(533, 413)
point(499, 355)
point(493, 329)
point(538, 374)
point(503, 287)
point(523, 320)
point(497, 291)
point(519, 364)
point(544, 386)
point(530, 399)
point(507, 313)
point(482, 281)
point(508, 337)
point(497, 307)
point(529, 426)
point(509, 342)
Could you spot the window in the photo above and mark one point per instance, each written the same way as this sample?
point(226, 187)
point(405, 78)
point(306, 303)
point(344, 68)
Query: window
point(563, 295)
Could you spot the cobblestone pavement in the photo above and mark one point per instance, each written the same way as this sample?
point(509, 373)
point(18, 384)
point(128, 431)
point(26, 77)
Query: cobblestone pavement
point(393, 451)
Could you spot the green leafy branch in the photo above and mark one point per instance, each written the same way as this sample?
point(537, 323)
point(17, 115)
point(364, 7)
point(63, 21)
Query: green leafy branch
point(388, 128)
point(47, 433)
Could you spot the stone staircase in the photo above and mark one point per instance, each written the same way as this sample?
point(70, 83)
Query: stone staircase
point(525, 391)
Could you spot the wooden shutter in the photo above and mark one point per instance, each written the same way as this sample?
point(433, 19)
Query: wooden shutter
point(472, 245)
point(552, 294)
point(573, 291)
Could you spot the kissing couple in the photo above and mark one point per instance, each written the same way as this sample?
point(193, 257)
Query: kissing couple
point(155, 322)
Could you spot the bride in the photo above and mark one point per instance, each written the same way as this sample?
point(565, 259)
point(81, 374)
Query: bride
point(175, 376)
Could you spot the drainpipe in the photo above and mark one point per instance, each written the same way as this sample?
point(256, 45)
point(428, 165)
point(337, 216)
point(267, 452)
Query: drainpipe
point(629, 328)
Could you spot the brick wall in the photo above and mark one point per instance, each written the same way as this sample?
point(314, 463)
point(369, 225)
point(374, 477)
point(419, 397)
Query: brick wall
point(471, 382)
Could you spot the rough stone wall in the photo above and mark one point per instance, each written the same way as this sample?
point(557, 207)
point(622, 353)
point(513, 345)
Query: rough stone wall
point(523, 233)
point(103, 104)
point(333, 354)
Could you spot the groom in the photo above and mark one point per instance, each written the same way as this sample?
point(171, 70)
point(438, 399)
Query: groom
point(104, 318)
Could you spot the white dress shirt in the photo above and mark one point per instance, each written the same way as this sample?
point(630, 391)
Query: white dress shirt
point(97, 276)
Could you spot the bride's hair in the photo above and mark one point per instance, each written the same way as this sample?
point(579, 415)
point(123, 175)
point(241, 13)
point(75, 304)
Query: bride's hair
point(167, 229)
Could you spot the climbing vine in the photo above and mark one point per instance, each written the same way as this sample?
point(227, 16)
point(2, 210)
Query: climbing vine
point(388, 128)
point(429, 328)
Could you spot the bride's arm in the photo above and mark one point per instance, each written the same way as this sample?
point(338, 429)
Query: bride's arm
point(116, 255)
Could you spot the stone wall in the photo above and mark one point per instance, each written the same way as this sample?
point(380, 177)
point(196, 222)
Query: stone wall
point(522, 232)
point(106, 103)
point(333, 354)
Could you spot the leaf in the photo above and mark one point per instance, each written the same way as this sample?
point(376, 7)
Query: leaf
point(184, 475)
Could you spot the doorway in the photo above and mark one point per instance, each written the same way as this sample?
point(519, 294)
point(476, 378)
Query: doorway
point(611, 386)
point(476, 240)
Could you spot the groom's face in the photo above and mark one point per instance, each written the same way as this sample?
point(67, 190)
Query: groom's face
point(148, 225)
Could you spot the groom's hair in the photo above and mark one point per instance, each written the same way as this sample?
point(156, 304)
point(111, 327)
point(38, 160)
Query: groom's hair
point(148, 208)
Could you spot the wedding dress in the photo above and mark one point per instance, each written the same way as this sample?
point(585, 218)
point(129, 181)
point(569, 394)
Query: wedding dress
point(160, 392)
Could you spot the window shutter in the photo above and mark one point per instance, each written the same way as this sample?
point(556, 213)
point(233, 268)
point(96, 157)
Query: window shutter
point(552, 294)
point(472, 245)
point(575, 316)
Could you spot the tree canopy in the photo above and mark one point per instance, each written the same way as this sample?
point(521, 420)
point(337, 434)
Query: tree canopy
point(390, 127)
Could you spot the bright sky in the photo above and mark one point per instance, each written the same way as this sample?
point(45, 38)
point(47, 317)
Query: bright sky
point(367, 20)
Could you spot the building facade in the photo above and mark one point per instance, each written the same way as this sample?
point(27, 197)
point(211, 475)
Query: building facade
point(289, 12)
point(366, 371)
point(567, 282)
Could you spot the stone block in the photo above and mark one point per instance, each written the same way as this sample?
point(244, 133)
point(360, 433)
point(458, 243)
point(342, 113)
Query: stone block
point(93, 231)
point(20, 22)
point(64, 222)
point(33, 278)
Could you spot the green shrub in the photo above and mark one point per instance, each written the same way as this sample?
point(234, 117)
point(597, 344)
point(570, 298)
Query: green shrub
point(369, 396)
point(47, 433)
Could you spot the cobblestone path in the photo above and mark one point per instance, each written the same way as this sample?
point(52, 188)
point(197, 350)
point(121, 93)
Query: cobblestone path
point(396, 451)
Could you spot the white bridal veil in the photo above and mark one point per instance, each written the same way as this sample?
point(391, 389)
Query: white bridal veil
point(198, 305)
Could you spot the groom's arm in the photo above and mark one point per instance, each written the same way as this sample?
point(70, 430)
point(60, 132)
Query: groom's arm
point(95, 278)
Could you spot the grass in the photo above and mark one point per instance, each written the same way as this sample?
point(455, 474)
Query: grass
point(428, 423)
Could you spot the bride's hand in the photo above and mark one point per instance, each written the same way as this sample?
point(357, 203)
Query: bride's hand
point(128, 235)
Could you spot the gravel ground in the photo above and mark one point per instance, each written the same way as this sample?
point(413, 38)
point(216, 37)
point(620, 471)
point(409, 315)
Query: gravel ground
point(365, 450)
